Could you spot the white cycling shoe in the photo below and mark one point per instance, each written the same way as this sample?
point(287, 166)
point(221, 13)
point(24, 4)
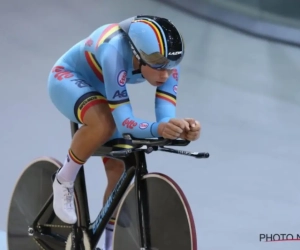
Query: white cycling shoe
point(63, 201)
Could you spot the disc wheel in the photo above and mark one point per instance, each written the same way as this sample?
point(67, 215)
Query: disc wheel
point(170, 218)
point(30, 194)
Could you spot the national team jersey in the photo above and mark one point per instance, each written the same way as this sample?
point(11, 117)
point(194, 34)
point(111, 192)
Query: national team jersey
point(105, 57)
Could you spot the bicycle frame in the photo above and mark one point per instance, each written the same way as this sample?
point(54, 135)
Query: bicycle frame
point(135, 166)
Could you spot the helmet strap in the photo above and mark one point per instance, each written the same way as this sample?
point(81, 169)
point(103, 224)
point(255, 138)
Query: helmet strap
point(140, 60)
point(139, 71)
point(142, 63)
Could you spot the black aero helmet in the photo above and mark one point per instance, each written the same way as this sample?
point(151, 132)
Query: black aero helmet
point(155, 41)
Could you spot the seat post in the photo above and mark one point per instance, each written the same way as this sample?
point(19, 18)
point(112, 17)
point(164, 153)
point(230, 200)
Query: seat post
point(74, 128)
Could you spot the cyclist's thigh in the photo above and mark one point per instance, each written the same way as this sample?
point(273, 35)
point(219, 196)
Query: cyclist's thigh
point(71, 94)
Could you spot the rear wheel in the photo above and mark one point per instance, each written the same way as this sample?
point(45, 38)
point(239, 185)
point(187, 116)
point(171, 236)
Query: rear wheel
point(31, 193)
point(170, 217)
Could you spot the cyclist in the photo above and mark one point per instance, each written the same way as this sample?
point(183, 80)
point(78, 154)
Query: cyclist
point(87, 84)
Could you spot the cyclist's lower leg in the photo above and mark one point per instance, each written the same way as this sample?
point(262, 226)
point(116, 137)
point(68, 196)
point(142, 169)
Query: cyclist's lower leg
point(98, 127)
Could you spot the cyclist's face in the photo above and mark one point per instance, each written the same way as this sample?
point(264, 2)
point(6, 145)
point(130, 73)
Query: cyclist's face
point(155, 77)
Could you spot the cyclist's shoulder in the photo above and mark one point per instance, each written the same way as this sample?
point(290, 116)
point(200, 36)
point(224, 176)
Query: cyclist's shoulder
point(103, 31)
point(108, 41)
point(107, 35)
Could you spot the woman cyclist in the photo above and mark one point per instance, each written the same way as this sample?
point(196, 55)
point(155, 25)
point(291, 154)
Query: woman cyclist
point(88, 85)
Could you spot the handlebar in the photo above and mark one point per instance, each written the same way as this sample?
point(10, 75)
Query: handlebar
point(155, 141)
point(155, 144)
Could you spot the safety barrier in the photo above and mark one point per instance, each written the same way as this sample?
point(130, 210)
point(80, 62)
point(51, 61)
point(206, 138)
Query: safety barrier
point(261, 18)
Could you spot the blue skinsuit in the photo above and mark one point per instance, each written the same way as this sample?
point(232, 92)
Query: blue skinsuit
point(97, 69)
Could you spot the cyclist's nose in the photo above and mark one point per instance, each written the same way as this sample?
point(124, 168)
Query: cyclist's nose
point(163, 74)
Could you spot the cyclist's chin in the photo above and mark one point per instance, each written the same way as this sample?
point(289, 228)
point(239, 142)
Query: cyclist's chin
point(156, 83)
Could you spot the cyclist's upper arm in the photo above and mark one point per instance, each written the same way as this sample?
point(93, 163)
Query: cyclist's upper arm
point(114, 69)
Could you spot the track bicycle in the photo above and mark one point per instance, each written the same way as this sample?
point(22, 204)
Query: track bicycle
point(152, 210)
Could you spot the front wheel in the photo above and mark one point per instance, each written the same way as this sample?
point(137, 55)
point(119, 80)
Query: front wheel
point(171, 221)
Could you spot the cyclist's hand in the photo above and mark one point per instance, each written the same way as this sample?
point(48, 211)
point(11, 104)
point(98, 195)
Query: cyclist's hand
point(193, 133)
point(173, 129)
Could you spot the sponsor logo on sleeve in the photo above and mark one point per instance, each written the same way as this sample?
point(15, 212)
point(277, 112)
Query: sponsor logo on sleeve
point(129, 123)
point(175, 88)
point(120, 94)
point(143, 125)
point(122, 78)
point(175, 74)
